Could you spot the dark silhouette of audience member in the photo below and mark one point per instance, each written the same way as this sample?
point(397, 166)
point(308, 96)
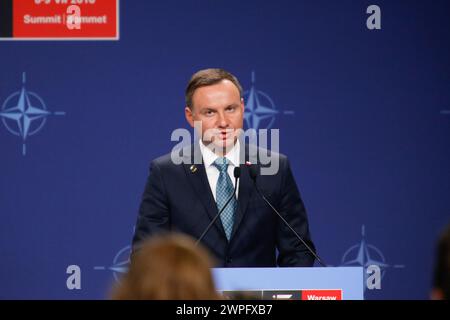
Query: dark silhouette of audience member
point(168, 267)
point(441, 281)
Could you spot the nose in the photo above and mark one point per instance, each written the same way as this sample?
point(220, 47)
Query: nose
point(222, 120)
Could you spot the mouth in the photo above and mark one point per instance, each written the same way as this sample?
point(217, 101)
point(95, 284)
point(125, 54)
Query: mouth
point(220, 136)
point(225, 135)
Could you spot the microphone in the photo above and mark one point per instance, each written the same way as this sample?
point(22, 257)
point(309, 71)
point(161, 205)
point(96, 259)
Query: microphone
point(252, 171)
point(237, 174)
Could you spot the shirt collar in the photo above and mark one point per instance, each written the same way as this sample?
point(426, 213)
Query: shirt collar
point(209, 157)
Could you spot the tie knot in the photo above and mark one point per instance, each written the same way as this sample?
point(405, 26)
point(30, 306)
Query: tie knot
point(221, 164)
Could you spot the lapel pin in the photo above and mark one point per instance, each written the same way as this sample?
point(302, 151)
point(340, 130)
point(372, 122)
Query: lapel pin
point(193, 168)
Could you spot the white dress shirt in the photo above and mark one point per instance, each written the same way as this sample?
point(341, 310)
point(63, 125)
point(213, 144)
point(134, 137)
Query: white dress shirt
point(212, 172)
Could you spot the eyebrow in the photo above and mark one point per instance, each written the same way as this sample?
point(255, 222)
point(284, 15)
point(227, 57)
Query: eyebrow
point(214, 108)
point(207, 109)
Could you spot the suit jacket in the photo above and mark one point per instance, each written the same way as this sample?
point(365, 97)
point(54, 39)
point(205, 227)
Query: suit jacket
point(178, 199)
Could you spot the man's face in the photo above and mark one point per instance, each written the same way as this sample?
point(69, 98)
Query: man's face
point(221, 112)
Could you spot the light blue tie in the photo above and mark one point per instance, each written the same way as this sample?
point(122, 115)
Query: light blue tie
point(224, 190)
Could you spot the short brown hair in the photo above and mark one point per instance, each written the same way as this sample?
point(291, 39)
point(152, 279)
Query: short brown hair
point(208, 77)
point(168, 267)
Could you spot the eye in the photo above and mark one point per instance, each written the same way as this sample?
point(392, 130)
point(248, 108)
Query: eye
point(209, 113)
point(230, 109)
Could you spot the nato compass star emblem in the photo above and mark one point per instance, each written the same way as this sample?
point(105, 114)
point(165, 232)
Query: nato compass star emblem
point(119, 264)
point(365, 255)
point(260, 111)
point(24, 113)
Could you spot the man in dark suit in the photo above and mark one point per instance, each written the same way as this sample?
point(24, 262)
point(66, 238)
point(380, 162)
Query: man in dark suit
point(186, 197)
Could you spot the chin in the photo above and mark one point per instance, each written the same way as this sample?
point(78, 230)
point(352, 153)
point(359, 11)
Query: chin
point(224, 144)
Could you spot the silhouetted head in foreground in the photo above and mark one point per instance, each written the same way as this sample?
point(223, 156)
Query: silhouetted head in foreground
point(168, 267)
point(441, 281)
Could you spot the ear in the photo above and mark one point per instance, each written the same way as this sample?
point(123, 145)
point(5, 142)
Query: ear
point(189, 116)
point(242, 105)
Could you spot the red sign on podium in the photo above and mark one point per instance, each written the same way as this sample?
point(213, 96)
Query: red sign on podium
point(321, 294)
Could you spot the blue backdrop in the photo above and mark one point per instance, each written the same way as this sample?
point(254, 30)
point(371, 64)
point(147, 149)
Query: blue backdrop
point(364, 116)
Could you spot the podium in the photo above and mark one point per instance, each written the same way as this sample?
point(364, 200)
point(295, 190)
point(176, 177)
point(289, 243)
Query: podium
point(332, 283)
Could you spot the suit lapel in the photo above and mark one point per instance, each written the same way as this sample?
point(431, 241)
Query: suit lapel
point(245, 188)
point(200, 184)
point(196, 175)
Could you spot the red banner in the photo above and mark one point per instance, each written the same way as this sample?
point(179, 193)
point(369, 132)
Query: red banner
point(66, 19)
